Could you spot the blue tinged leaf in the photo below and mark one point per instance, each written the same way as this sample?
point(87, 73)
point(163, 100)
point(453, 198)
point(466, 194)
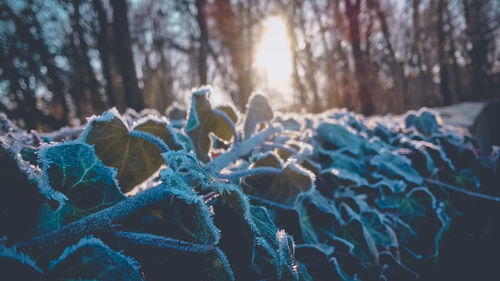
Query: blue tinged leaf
point(359, 236)
point(319, 218)
point(74, 169)
point(335, 136)
point(395, 165)
point(425, 121)
point(186, 165)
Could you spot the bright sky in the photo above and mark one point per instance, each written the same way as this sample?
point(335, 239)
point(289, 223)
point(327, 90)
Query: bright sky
point(274, 60)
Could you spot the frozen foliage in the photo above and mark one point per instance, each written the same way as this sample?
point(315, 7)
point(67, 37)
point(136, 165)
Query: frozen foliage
point(261, 196)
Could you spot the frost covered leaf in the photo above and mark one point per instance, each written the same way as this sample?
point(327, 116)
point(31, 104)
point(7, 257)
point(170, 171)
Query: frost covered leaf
point(421, 212)
point(258, 111)
point(344, 177)
point(74, 169)
point(18, 266)
point(135, 158)
point(286, 251)
point(426, 122)
point(392, 164)
point(202, 121)
point(91, 259)
point(182, 215)
point(379, 229)
point(316, 261)
point(264, 222)
point(232, 216)
point(281, 188)
point(319, 218)
point(358, 235)
point(335, 136)
point(187, 166)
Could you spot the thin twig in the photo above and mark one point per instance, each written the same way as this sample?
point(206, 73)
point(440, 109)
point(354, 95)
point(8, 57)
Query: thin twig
point(464, 191)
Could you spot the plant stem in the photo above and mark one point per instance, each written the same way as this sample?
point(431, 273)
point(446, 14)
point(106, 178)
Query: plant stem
point(151, 138)
point(48, 246)
point(251, 172)
point(239, 149)
point(229, 121)
point(463, 191)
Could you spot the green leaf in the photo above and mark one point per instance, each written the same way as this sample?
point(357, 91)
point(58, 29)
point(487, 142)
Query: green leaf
point(202, 121)
point(135, 158)
point(74, 169)
point(258, 111)
point(91, 259)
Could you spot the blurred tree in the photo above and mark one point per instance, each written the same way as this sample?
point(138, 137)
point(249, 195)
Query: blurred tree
point(62, 60)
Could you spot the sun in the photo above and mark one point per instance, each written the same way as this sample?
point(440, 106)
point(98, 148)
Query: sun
point(273, 56)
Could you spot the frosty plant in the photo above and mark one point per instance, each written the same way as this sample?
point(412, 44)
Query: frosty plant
point(255, 196)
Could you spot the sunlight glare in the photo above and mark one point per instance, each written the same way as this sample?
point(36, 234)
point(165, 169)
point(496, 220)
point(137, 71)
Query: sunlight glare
point(273, 56)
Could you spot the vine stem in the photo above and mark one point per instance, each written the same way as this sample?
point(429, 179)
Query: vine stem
point(49, 245)
point(288, 149)
point(65, 132)
point(151, 138)
point(463, 191)
point(251, 172)
point(239, 149)
point(229, 121)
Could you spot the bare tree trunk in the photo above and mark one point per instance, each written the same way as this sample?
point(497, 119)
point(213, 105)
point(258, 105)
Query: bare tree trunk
point(397, 69)
point(362, 75)
point(452, 53)
point(443, 67)
point(232, 38)
point(201, 19)
point(124, 56)
point(478, 33)
point(104, 51)
point(90, 81)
